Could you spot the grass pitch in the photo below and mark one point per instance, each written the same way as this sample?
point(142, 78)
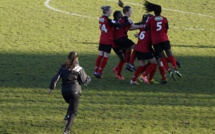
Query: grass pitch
point(35, 40)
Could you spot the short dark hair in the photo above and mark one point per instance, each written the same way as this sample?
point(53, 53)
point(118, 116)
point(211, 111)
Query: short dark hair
point(117, 15)
point(126, 9)
point(105, 9)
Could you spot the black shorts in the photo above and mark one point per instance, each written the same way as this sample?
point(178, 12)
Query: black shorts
point(124, 42)
point(120, 53)
point(105, 48)
point(144, 56)
point(161, 46)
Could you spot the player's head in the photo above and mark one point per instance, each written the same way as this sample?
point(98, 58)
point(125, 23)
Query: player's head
point(152, 7)
point(127, 11)
point(106, 10)
point(117, 15)
point(71, 60)
point(146, 17)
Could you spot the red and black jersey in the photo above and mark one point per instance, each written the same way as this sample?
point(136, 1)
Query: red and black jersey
point(123, 31)
point(107, 31)
point(144, 41)
point(158, 26)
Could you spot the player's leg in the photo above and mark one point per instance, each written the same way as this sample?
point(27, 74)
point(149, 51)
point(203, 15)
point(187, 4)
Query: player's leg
point(139, 69)
point(117, 70)
point(73, 106)
point(99, 59)
point(130, 56)
point(67, 99)
point(171, 58)
point(150, 68)
point(107, 50)
point(133, 57)
point(162, 72)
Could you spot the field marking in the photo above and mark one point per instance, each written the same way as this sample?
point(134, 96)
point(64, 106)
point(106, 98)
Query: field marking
point(167, 9)
point(89, 17)
point(64, 12)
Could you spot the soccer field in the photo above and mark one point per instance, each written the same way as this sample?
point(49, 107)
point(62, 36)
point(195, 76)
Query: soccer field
point(37, 35)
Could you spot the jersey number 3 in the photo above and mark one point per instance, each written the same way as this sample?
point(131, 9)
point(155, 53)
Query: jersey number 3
point(103, 28)
point(159, 26)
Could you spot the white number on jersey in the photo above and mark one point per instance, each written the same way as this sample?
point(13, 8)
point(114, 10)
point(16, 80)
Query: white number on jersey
point(159, 26)
point(103, 28)
point(142, 35)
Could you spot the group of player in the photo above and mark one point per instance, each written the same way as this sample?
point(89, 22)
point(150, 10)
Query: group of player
point(153, 44)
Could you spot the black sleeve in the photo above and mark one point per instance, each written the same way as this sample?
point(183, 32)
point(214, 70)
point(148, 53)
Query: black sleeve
point(167, 25)
point(55, 79)
point(84, 78)
point(111, 23)
point(140, 23)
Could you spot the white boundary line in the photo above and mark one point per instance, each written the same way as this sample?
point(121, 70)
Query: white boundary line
point(64, 12)
point(167, 9)
point(89, 17)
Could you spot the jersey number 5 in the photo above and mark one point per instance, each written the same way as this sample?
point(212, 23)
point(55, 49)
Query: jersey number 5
point(103, 28)
point(159, 26)
point(142, 35)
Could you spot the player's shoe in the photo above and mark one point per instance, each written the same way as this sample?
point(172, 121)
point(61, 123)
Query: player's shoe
point(152, 81)
point(145, 79)
point(134, 82)
point(95, 74)
point(99, 76)
point(120, 77)
point(178, 62)
point(115, 71)
point(130, 67)
point(163, 82)
point(172, 75)
point(178, 74)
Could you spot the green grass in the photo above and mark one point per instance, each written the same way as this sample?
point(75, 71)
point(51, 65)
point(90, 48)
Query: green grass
point(35, 40)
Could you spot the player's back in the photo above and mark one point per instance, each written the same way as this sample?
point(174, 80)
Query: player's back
point(107, 31)
point(158, 27)
point(144, 41)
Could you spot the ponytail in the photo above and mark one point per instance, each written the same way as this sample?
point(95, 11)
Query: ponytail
point(149, 7)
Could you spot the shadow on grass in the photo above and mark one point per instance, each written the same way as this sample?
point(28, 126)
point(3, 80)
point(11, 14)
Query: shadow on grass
point(36, 71)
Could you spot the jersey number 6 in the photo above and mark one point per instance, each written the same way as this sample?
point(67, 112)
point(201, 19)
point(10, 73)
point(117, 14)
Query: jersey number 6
point(142, 35)
point(159, 26)
point(103, 28)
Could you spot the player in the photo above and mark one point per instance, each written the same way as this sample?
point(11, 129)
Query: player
point(121, 37)
point(106, 40)
point(73, 76)
point(144, 52)
point(158, 26)
point(119, 51)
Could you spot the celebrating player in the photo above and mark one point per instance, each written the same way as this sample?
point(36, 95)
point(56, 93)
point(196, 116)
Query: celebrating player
point(73, 76)
point(106, 40)
point(144, 52)
point(121, 36)
point(158, 26)
point(119, 51)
